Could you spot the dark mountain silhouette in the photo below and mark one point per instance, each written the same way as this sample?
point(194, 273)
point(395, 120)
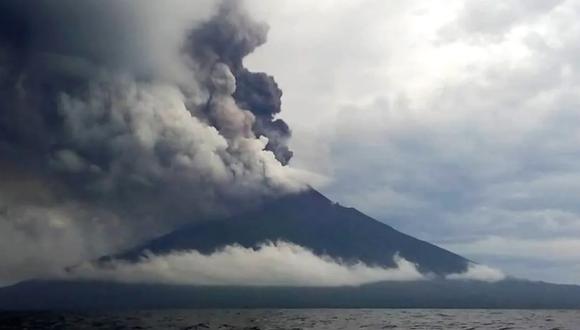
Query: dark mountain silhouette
point(72, 295)
point(311, 220)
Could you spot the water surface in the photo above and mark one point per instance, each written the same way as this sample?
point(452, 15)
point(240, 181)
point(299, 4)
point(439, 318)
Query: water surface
point(296, 319)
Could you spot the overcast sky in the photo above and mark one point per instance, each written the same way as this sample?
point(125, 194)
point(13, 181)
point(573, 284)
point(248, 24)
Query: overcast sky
point(454, 121)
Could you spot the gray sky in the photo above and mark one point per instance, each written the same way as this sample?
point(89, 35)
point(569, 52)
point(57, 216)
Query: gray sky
point(454, 121)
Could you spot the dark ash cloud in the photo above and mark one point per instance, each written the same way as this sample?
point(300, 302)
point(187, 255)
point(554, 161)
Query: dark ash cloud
point(140, 113)
point(225, 42)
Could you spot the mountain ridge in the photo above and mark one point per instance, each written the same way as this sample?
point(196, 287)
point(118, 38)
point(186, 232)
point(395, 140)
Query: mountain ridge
point(310, 220)
point(94, 295)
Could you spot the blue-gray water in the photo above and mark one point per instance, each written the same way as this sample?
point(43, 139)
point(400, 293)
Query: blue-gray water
point(297, 319)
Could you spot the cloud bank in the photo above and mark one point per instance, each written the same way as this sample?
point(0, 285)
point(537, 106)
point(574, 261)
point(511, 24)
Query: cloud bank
point(270, 264)
point(476, 272)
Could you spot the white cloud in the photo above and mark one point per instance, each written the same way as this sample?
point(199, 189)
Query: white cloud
point(271, 264)
point(478, 272)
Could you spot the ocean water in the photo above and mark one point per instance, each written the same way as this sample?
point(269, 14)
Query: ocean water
point(296, 319)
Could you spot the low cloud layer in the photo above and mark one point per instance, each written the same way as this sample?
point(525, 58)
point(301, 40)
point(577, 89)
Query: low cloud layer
point(476, 272)
point(270, 264)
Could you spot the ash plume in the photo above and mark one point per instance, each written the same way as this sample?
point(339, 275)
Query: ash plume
point(225, 41)
point(133, 116)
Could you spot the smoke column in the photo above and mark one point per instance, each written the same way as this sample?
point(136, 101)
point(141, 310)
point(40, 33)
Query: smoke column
point(121, 119)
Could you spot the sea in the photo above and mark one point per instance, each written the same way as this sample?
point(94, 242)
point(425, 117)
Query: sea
point(296, 319)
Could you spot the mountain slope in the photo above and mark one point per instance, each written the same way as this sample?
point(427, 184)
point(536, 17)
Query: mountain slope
point(311, 220)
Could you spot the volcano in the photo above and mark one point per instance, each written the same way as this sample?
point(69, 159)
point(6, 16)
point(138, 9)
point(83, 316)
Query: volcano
point(310, 220)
